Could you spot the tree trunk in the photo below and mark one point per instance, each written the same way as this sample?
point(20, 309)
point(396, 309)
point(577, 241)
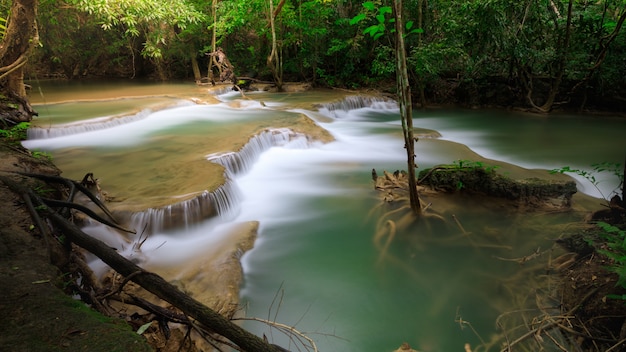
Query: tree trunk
point(213, 59)
point(404, 93)
point(562, 48)
point(20, 38)
point(274, 61)
point(197, 76)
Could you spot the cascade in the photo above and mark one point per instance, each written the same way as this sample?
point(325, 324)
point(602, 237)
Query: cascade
point(355, 102)
point(223, 201)
point(83, 126)
point(220, 203)
point(239, 162)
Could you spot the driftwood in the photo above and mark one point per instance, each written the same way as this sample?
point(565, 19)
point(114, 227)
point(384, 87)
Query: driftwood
point(151, 282)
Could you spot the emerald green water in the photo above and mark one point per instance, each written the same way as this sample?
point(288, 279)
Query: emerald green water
point(325, 260)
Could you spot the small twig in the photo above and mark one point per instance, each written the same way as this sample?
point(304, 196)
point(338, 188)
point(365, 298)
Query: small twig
point(38, 222)
point(84, 209)
point(287, 330)
point(458, 223)
point(614, 347)
point(522, 260)
point(122, 284)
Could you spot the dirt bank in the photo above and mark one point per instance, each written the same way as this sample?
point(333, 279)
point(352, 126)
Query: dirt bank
point(37, 314)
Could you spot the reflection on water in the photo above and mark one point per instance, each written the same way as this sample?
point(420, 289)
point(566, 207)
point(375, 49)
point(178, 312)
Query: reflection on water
point(332, 259)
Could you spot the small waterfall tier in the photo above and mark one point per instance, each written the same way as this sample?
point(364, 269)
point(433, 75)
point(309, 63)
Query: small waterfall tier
point(237, 163)
point(83, 126)
point(354, 102)
point(222, 202)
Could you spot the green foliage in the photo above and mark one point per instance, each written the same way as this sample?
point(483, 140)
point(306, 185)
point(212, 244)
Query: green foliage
point(470, 164)
point(16, 133)
point(614, 169)
point(42, 155)
point(158, 21)
point(616, 243)
point(468, 43)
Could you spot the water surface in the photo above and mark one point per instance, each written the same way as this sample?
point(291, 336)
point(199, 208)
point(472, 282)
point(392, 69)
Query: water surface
point(325, 260)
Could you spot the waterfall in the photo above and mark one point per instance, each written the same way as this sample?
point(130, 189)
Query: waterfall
point(222, 202)
point(239, 162)
point(82, 126)
point(339, 108)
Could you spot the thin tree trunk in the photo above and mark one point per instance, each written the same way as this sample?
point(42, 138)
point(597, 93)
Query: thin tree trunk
point(212, 59)
point(404, 92)
point(195, 67)
point(274, 61)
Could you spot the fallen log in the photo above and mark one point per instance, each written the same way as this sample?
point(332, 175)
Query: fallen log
point(151, 282)
point(163, 289)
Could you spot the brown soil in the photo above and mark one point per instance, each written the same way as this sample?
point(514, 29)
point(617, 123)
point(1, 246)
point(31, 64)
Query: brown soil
point(598, 320)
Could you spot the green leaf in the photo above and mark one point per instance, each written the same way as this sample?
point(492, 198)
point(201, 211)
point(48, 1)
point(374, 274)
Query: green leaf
point(356, 19)
point(380, 18)
point(369, 5)
point(409, 25)
point(385, 9)
point(143, 328)
point(372, 30)
point(378, 35)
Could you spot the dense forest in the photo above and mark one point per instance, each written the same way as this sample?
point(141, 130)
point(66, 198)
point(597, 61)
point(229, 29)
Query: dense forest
point(536, 54)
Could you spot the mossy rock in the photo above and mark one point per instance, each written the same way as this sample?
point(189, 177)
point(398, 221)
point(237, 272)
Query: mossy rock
point(451, 178)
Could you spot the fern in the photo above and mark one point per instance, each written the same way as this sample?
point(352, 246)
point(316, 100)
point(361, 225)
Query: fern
point(3, 28)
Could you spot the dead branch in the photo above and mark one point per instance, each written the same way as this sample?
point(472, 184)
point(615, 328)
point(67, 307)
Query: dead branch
point(163, 289)
point(147, 280)
point(288, 330)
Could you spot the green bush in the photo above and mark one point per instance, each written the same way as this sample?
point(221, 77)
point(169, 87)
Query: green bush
point(616, 251)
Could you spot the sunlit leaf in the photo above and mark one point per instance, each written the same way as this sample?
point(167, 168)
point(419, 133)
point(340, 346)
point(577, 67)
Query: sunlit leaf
point(358, 18)
point(369, 5)
point(143, 328)
point(372, 30)
point(385, 9)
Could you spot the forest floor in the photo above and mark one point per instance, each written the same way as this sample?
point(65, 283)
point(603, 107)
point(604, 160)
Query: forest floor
point(37, 314)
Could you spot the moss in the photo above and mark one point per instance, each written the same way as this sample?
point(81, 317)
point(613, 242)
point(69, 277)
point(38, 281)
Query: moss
point(452, 178)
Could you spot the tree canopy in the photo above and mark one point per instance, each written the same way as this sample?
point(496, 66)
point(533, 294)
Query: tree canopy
point(538, 54)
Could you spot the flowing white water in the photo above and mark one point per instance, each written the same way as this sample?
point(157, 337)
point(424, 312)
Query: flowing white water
point(314, 203)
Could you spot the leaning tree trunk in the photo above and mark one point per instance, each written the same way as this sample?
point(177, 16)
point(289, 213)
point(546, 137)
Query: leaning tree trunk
point(404, 92)
point(20, 38)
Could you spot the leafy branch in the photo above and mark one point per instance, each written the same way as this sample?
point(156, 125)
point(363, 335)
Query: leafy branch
point(613, 168)
point(378, 29)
